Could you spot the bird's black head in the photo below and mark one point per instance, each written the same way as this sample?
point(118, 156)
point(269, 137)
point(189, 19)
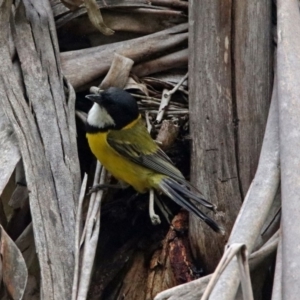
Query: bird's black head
point(113, 109)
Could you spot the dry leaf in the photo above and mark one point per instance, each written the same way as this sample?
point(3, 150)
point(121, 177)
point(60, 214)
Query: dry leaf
point(95, 17)
point(132, 84)
point(14, 270)
point(72, 4)
point(9, 154)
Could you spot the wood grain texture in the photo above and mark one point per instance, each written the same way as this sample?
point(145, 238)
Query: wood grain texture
point(253, 67)
point(214, 165)
point(97, 60)
point(288, 65)
point(230, 92)
point(45, 130)
point(10, 154)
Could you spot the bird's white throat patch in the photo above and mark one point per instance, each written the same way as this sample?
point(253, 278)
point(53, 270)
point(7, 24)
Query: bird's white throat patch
point(99, 117)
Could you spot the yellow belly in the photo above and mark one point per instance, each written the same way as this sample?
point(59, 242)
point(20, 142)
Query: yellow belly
point(121, 168)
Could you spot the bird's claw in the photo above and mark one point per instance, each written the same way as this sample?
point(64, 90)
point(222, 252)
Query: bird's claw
point(155, 219)
point(95, 189)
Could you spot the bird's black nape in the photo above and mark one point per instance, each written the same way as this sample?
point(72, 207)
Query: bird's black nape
point(119, 104)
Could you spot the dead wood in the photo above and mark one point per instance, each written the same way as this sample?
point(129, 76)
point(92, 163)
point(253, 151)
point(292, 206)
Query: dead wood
point(134, 17)
point(256, 207)
point(226, 124)
point(118, 73)
point(214, 169)
point(288, 66)
point(72, 4)
point(171, 3)
point(10, 154)
point(195, 289)
point(97, 62)
point(163, 63)
point(116, 76)
point(253, 75)
point(171, 265)
point(95, 17)
point(13, 269)
point(140, 20)
point(46, 139)
point(257, 203)
point(167, 134)
point(277, 284)
point(60, 8)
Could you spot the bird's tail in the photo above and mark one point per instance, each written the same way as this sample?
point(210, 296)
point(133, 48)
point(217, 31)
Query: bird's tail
point(181, 195)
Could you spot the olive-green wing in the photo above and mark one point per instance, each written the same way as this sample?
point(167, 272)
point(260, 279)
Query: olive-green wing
point(137, 145)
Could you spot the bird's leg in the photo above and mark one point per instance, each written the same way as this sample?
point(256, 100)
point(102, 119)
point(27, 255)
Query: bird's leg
point(155, 219)
point(99, 187)
point(163, 208)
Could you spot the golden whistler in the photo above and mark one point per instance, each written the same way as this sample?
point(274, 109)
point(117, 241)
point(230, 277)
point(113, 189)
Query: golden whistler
point(120, 141)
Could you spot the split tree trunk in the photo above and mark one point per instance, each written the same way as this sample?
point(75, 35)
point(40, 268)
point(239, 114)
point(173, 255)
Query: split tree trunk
point(44, 123)
point(230, 74)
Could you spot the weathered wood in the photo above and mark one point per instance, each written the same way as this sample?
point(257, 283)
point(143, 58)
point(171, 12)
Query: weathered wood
point(10, 154)
point(118, 73)
point(288, 66)
point(238, 90)
point(277, 283)
point(174, 60)
point(167, 134)
point(257, 203)
point(214, 167)
point(46, 138)
point(96, 62)
point(170, 265)
point(13, 268)
point(252, 82)
point(139, 20)
point(194, 289)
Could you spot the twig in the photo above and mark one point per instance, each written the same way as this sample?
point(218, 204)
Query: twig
point(145, 97)
point(77, 237)
point(173, 112)
point(177, 86)
point(92, 200)
point(81, 115)
point(240, 251)
point(91, 237)
point(277, 285)
point(165, 99)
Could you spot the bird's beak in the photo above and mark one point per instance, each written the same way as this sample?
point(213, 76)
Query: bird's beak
point(94, 98)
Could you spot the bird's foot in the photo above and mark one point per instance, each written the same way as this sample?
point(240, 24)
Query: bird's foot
point(155, 219)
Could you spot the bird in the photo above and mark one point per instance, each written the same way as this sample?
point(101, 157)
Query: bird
point(119, 139)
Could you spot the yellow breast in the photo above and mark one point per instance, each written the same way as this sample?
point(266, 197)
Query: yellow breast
point(120, 167)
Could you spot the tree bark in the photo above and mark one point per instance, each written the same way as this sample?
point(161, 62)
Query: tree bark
point(212, 128)
point(288, 65)
point(252, 82)
point(45, 130)
point(230, 92)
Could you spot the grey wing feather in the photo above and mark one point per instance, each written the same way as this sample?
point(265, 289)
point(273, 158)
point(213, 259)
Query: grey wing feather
point(145, 153)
